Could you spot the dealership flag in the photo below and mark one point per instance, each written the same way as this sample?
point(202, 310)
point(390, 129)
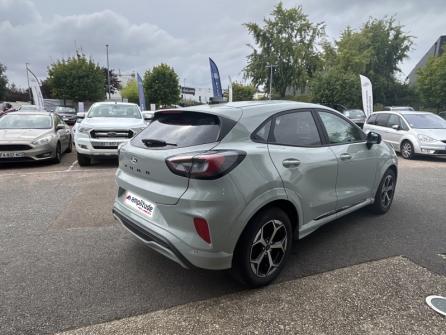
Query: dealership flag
point(215, 77)
point(37, 93)
point(367, 95)
point(230, 89)
point(142, 99)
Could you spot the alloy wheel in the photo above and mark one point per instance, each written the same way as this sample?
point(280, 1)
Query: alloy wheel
point(269, 248)
point(406, 150)
point(387, 191)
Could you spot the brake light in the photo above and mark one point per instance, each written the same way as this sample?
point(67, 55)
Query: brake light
point(208, 165)
point(202, 228)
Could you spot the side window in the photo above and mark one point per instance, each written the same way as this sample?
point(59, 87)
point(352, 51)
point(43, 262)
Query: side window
point(297, 129)
point(403, 124)
point(394, 120)
point(372, 119)
point(381, 119)
point(340, 131)
point(261, 135)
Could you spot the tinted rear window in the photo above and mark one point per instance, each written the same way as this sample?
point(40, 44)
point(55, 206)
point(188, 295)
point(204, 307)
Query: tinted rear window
point(180, 129)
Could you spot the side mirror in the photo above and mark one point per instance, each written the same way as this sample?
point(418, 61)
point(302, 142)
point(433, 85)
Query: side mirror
point(373, 138)
point(60, 127)
point(396, 127)
point(147, 116)
point(80, 115)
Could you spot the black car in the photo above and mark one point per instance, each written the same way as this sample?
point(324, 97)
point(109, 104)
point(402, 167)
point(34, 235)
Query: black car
point(356, 115)
point(68, 114)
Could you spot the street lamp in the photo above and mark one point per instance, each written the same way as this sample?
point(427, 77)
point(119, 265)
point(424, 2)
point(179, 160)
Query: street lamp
point(108, 74)
point(271, 66)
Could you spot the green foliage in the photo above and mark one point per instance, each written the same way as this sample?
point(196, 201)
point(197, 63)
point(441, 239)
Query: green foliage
point(337, 87)
point(76, 78)
point(13, 93)
point(242, 92)
point(161, 85)
point(130, 91)
point(289, 40)
point(431, 83)
point(376, 51)
point(3, 82)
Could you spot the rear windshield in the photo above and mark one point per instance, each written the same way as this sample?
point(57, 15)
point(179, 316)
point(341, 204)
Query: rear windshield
point(354, 113)
point(179, 129)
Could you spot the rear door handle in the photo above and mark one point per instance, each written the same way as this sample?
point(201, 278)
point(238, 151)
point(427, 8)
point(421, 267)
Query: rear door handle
point(291, 163)
point(346, 156)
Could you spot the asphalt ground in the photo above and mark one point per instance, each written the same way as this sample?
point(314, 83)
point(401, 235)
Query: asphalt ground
point(65, 263)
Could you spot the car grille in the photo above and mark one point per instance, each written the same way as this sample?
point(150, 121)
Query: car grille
point(16, 159)
point(440, 152)
point(104, 147)
point(110, 133)
point(14, 147)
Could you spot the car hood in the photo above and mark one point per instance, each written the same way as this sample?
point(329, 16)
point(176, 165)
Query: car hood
point(108, 122)
point(438, 134)
point(23, 135)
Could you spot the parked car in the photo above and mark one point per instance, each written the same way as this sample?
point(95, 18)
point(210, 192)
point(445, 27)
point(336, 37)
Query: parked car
point(68, 114)
point(33, 136)
point(105, 127)
point(356, 115)
point(6, 108)
point(231, 185)
point(398, 108)
point(411, 133)
point(29, 108)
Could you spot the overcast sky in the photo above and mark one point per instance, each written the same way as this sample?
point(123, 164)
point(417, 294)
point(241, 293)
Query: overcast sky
point(180, 33)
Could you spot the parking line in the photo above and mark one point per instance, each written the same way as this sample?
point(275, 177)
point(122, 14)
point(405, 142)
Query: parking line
point(71, 166)
point(49, 172)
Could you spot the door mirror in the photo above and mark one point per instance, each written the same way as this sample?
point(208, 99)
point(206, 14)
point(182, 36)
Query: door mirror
point(80, 115)
point(396, 127)
point(373, 138)
point(60, 127)
point(148, 116)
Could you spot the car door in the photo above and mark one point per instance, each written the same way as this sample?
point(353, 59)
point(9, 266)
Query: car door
point(381, 125)
point(357, 164)
point(394, 136)
point(63, 133)
point(308, 168)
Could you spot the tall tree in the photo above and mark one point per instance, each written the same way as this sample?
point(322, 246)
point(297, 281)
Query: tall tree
point(289, 40)
point(130, 91)
point(13, 93)
point(76, 78)
point(161, 85)
point(3, 81)
point(431, 83)
point(115, 83)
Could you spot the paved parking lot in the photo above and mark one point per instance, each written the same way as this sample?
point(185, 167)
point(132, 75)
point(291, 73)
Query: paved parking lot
point(65, 263)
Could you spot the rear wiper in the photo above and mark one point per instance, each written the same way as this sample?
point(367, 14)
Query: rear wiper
point(148, 142)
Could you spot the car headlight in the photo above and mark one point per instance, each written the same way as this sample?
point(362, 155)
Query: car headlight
point(84, 130)
point(136, 131)
point(426, 139)
point(43, 140)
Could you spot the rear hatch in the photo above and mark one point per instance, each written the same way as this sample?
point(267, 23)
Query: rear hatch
point(170, 133)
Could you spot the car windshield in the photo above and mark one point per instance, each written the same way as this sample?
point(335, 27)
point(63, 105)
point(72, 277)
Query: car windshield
point(115, 110)
point(354, 113)
point(66, 110)
point(425, 121)
point(25, 121)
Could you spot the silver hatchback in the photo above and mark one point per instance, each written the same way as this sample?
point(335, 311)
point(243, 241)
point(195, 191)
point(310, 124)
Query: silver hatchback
point(411, 133)
point(232, 185)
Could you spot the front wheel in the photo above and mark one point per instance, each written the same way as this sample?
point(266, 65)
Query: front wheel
point(385, 193)
point(407, 150)
point(83, 160)
point(58, 154)
point(263, 248)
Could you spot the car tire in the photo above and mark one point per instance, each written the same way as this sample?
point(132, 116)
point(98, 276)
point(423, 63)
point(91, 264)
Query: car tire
point(70, 146)
point(83, 160)
point(407, 150)
point(263, 248)
point(385, 193)
point(58, 154)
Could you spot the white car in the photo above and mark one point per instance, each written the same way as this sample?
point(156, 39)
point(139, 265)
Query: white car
point(105, 127)
point(409, 132)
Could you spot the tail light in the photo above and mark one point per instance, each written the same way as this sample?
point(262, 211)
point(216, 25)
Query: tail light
point(205, 165)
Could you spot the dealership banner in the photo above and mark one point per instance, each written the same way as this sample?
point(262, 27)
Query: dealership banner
point(34, 85)
point(230, 90)
point(367, 95)
point(142, 99)
point(215, 77)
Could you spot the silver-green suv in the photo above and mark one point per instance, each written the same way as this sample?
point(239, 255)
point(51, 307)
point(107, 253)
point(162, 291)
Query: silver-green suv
point(232, 185)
